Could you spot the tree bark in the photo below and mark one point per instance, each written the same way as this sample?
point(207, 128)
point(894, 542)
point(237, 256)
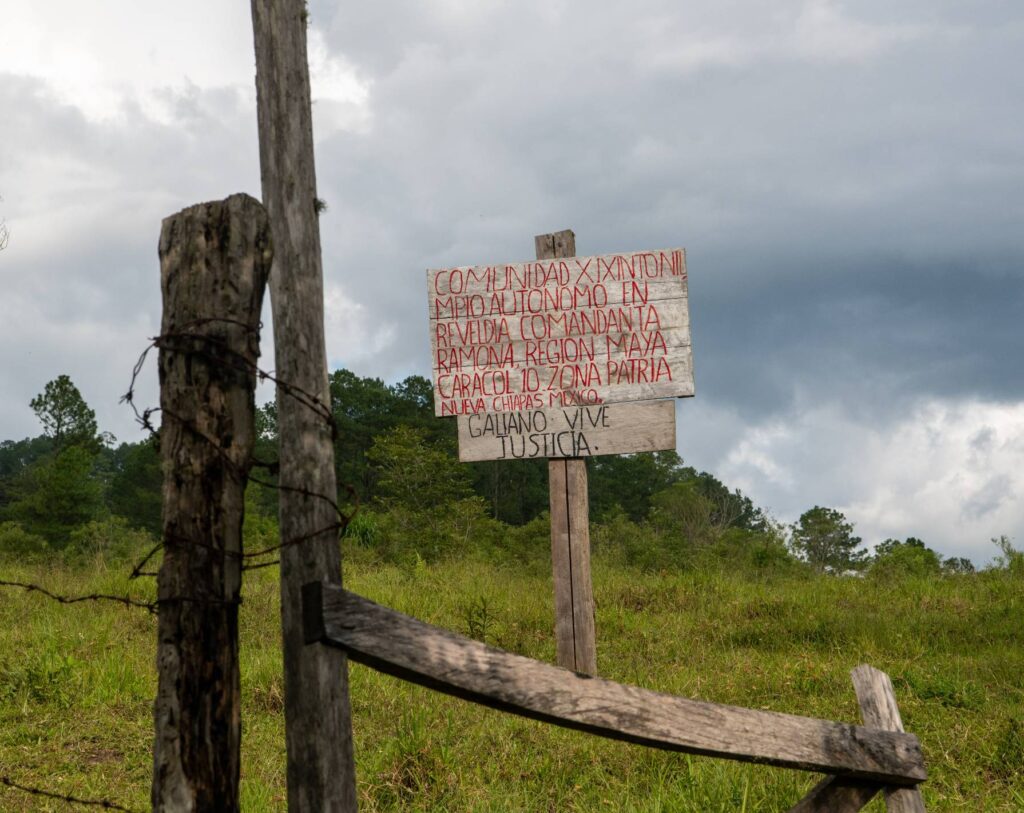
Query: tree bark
point(321, 772)
point(214, 263)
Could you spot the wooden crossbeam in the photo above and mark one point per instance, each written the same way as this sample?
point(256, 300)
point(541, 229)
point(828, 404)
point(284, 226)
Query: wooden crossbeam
point(442, 660)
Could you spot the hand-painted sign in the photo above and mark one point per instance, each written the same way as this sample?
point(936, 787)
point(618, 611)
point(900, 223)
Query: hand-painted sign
point(566, 332)
point(641, 426)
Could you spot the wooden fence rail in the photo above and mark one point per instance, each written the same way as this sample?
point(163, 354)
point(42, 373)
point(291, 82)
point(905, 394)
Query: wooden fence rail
point(860, 760)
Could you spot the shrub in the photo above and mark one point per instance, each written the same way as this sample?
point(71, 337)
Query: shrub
point(895, 560)
point(58, 494)
point(18, 543)
point(111, 539)
point(644, 545)
point(1012, 560)
point(363, 529)
point(957, 566)
point(455, 528)
point(751, 552)
point(523, 544)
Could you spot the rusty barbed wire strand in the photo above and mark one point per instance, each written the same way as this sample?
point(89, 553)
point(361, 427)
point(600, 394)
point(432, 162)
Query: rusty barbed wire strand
point(128, 601)
point(307, 399)
point(184, 341)
point(106, 804)
point(137, 570)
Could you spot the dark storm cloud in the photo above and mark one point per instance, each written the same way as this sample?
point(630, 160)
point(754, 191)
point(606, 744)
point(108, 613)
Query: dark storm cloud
point(849, 195)
point(848, 180)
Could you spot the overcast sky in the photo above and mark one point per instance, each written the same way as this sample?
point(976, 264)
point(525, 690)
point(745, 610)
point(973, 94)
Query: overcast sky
point(847, 178)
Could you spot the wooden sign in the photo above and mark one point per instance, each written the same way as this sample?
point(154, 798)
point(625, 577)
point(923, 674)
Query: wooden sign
point(641, 426)
point(561, 332)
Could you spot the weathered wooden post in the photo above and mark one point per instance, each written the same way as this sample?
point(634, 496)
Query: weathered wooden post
point(214, 263)
point(575, 638)
point(318, 727)
point(878, 709)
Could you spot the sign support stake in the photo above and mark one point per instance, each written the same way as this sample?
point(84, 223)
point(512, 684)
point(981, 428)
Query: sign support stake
point(575, 638)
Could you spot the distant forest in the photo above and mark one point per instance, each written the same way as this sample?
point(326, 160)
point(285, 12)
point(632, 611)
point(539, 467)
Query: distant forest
point(73, 490)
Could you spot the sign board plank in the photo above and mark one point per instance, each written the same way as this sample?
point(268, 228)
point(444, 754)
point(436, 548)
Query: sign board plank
point(640, 426)
point(556, 352)
point(598, 328)
point(560, 332)
point(512, 390)
point(540, 300)
point(559, 272)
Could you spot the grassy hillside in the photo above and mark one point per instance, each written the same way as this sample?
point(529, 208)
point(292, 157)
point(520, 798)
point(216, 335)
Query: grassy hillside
point(76, 686)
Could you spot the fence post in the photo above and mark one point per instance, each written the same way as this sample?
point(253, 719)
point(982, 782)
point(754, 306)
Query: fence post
point(878, 709)
point(318, 722)
point(214, 263)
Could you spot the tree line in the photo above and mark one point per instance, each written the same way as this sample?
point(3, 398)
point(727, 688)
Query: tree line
point(74, 489)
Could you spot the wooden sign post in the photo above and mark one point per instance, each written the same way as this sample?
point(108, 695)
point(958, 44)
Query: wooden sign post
point(559, 359)
point(575, 637)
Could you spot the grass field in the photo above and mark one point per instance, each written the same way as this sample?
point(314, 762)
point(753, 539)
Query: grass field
point(77, 682)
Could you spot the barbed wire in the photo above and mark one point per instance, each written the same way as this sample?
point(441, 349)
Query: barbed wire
point(243, 364)
point(125, 600)
point(217, 352)
point(106, 804)
point(185, 341)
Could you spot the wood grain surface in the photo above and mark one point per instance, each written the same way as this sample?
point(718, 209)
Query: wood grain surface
point(878, 709)
point(418, 652)
point(560, 330)
point(639, 426)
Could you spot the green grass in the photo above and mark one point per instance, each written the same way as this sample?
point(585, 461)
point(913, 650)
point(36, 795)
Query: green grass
point(76, 686)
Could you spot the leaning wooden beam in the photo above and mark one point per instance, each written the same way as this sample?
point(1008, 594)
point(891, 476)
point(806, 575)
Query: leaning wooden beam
point(878, 709)
point(441, 660)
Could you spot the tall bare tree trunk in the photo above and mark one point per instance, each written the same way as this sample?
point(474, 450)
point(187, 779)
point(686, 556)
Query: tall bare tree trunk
point(214, 263)
point(321, 773)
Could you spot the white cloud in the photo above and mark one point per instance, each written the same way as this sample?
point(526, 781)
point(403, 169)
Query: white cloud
point(947, 471)
point(341, 100)
point(100, 57)
point(824, 30)
point(354, 332)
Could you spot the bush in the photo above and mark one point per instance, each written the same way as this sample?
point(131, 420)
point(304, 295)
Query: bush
point(363, 529)
point(528, 544)
point(900, 560)
point(18, 543)
point(1012, 560)
point(58, 494)
point(108, 540)
point(641, 544)
point(957, 566)
point(752, 552)
point(452, 529)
